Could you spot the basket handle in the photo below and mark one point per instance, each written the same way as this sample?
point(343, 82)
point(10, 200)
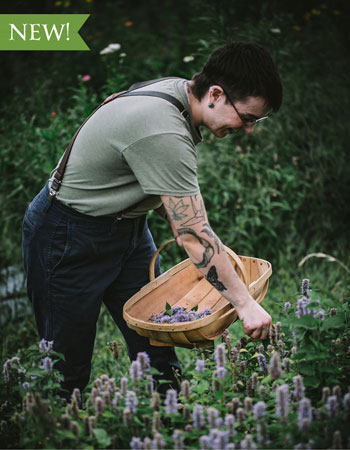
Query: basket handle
point(233, 255)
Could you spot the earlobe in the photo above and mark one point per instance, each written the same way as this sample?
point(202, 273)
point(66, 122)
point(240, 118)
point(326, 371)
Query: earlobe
point(211, 105)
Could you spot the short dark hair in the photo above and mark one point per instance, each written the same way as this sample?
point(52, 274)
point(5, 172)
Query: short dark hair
point(243, 69)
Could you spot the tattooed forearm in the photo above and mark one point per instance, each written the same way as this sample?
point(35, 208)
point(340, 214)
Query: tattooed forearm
point(210, 233)
point(177, 210)
point(212, 277)
point(199, 214)
point(208, 248)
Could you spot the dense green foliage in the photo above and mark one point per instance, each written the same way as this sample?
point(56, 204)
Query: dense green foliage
point(287, 181)
point(283, 393)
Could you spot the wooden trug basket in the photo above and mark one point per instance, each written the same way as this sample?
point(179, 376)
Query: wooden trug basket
point(183, 285)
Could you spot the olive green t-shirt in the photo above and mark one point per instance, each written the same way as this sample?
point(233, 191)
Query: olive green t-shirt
point(131, 151)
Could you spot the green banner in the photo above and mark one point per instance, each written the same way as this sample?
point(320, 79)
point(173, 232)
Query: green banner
point(42, 31)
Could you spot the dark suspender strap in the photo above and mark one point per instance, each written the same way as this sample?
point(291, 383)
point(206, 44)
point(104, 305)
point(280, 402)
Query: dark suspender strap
point(57, 178)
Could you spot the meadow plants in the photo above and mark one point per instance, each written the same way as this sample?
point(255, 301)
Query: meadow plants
point(237, 395)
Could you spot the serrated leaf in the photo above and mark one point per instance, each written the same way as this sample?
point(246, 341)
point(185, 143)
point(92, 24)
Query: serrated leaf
point(336, 321)
point(102, 437)
point(202, 387)
point(195, 308)
point(311, 382)
point(307, 370)
point(109, 414)
point(218, 394)
point(35, 372)
point(306, 321)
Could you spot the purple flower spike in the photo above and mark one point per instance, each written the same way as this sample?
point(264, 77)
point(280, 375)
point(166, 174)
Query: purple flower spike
point(275, 369)
point(248, 442)
point(198, 416)
point(212, 415)
point(221, 372)
point(47, 364)
point(262, 362)
point(26, 386)
point(230, 424)
point(131, 401)
point(287, 305)
point(259, 410)
point(205, 443)
point(200, 364)
point(171, 405)
point(298, 392)
point(135, 371)
point(219, 356)
point(332, 405)
point(178, 439)
point(144, 360)
point(304, 414)
point(305, 286)
point(282, 402)
point(136, 444)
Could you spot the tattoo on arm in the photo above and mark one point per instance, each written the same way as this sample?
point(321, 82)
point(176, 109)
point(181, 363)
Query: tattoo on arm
point(199, 214)
point(210, 233)
point(177, 210)
point(212, 277)
point(208, 248)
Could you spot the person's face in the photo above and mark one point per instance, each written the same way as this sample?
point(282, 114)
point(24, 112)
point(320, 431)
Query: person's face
point(227, 118)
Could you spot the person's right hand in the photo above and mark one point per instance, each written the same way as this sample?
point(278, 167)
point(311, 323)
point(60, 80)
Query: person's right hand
point(256, 321)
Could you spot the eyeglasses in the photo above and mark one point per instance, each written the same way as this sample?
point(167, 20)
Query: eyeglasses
point(246, 122)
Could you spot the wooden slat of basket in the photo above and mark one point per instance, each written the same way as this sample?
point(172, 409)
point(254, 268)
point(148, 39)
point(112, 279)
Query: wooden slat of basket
point(254, 269)
point(210, 300)
point(194, 295)
point(185, 280)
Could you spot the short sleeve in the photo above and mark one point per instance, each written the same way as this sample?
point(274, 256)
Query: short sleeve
point(164, 164)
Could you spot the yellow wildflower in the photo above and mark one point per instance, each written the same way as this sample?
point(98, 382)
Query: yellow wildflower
point(129, 23)
point(88, 1)
point(296, 28)
point(66, 4)
point(316, 12)
point(58, 3)
point(323, 6)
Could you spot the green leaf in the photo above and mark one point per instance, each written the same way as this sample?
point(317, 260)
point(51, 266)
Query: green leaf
point(195, 308)
point(109, 414)
point(218, 394)
point(336, 321)
point(311, 382)
point(306, 321)
point(202, 387)
point(36, 372)
point(307, 370)
point(102, 437)
point(167, 306)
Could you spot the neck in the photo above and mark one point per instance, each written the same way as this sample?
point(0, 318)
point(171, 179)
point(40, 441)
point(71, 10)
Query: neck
point(196, 107)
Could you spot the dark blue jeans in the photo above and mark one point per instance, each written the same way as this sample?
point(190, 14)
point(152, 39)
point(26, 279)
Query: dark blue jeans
point(73, 263)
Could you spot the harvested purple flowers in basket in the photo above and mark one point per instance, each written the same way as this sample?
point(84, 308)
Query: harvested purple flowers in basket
point(179, 314)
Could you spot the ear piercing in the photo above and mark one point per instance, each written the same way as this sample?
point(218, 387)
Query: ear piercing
point(211, 105)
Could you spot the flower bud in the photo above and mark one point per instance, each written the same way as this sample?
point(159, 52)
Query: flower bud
point(127, 417)
point(240, 414)
point(155, 401)
point(156, 422)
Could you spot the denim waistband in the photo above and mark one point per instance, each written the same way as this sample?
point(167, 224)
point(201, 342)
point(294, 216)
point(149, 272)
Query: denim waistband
point(56, 204)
